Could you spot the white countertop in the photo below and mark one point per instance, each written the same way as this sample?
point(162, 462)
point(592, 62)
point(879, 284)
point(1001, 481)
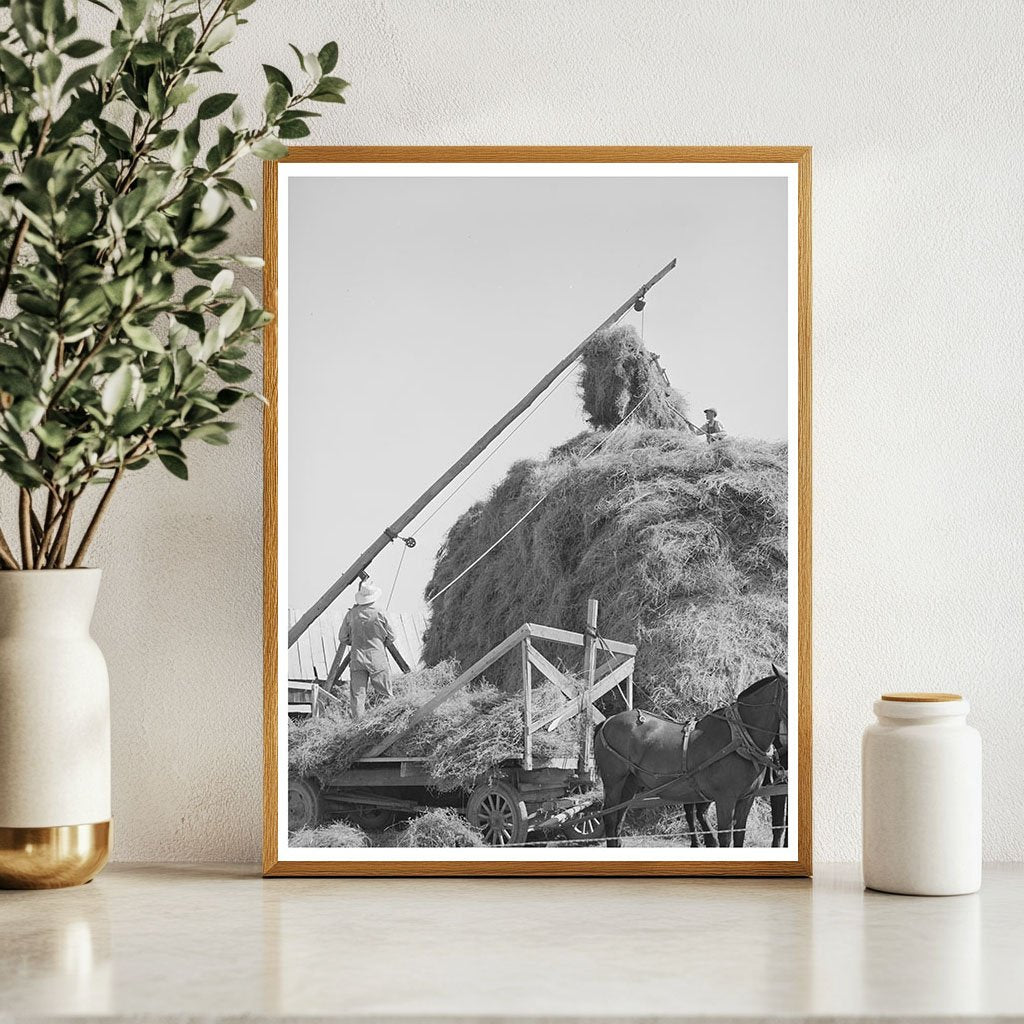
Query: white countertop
point(174, 942)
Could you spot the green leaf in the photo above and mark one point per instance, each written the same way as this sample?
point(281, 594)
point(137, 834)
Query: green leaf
point(109, 65)
point(232, 319)
point(116, 390)
point(16, 70)
point(310, 64)
point(83, 48)
point(233, 373)
point(149, 53)
point(21, 471)
point(128, 421)
point(78, 78)
point(53, 435)
point(26, 22)
point(175, 464)
point(156, 100)
point(328, 57)
point(223, 280)
point(222, 34)
point(143, 338)
point(184, 44)
point(216, 104)
point(269, 149)
point(324, 96)
point(133, 13)
point(26, 413)
point(276, 76)
point(49, 68)
point(227, 397)
point(334, 84)
point(211, 433)
point(181, 93)
point(293, 130)
point(276, 99)
point(193, 379)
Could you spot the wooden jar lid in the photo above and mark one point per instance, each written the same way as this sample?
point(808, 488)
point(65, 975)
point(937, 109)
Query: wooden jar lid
point(921, 698)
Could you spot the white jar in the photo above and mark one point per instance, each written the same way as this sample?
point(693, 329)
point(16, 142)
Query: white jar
point(921, 789)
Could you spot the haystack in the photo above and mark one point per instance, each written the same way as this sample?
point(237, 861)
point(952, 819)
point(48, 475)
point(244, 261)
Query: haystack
point(621, 377)
point(683, 543)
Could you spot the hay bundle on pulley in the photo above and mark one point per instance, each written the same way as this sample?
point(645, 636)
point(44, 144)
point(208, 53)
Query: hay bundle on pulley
point(619, 375)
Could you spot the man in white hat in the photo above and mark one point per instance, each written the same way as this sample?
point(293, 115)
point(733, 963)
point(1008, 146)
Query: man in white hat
point(367, 630)
point(712, 428)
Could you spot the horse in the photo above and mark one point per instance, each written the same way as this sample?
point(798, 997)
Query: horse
point(779, 804)
point(721, 761)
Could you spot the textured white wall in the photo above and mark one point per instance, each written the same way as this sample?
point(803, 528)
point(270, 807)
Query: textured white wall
point(914, 113)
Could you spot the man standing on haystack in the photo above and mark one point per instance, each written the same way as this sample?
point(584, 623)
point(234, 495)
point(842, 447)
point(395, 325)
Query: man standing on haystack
point(712, 428)
point(367, 630)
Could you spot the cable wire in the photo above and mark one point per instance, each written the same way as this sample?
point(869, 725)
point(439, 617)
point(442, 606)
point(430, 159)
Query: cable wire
point(394, 582)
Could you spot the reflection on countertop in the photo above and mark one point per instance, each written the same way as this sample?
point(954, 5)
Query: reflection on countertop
point(179, 941)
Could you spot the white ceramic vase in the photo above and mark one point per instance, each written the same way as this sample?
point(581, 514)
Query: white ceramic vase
point(54, 731)
point(921, 773)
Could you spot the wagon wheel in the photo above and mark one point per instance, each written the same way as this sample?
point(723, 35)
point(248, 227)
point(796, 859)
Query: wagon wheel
point(498, 811)
point(591, 827)
point(304, 804)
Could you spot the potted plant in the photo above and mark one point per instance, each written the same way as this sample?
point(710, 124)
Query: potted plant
point(122, 343)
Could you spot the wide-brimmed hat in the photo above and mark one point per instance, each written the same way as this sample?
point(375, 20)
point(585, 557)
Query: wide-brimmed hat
point(367, 594)
point(714, 412)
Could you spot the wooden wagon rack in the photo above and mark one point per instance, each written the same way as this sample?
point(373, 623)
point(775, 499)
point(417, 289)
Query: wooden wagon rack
point(523, 794)
point(617, 670)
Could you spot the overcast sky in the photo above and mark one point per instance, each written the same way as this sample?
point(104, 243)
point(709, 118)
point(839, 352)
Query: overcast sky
point(421, 309)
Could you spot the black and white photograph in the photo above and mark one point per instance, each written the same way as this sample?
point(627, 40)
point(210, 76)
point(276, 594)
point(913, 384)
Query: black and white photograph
point(537, 501)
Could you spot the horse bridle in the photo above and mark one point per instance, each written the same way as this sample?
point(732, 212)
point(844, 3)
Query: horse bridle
point(780, 704)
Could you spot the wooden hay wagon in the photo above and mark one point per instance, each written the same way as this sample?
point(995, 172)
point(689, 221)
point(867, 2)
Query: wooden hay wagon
point(529, 796)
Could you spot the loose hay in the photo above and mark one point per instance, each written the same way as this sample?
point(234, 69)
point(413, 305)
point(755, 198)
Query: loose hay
point(683, 543)
point(339, 834)
point(617, 372)
point(438, 827)
point(466, 736)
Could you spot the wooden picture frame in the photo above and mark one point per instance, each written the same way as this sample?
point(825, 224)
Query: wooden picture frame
point(800, 860)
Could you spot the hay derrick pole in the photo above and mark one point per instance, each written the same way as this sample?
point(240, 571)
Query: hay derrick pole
point(391, 533)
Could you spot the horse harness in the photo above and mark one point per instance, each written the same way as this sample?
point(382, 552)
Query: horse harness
point(741, 743)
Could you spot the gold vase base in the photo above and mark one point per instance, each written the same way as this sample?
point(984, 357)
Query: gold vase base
point(53, 857)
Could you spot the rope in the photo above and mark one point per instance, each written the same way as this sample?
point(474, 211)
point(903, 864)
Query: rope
point(394, 582)
point(497, 448)
point(476, 561)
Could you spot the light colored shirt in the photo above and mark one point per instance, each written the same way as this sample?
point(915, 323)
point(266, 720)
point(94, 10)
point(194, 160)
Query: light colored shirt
point(710, 428)
point(366, 630)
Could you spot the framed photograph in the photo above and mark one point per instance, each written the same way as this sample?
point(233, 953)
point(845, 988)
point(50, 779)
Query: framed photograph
point(538, 511)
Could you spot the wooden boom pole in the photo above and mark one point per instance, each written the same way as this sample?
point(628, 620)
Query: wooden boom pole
point(391, 533)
